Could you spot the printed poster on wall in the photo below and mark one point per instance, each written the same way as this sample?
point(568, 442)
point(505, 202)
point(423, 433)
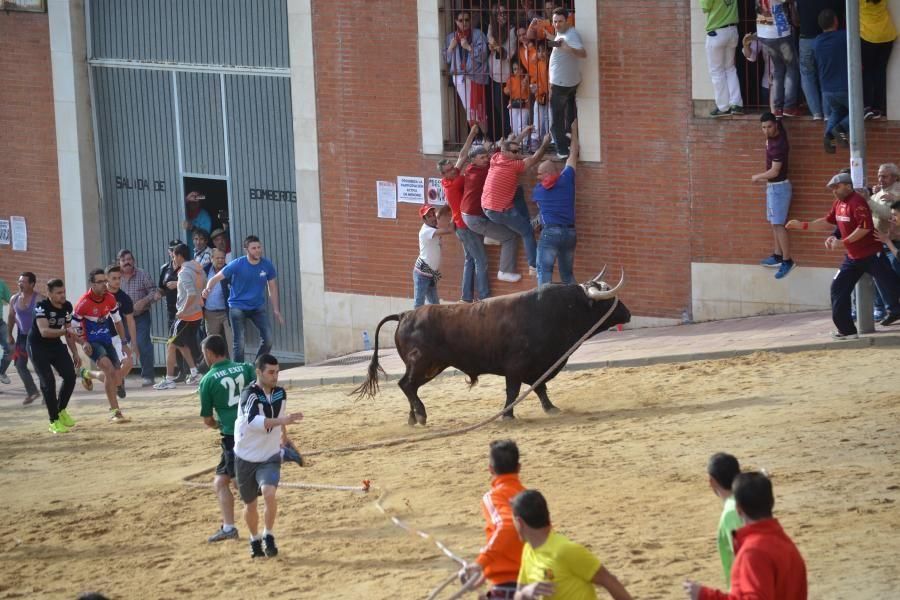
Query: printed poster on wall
point(19, 234)
point(435, 193)
point(4, 232)
point(387, 199)
point(411, 189)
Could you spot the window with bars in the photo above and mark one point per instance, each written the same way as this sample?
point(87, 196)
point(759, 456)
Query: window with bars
point(494, 67)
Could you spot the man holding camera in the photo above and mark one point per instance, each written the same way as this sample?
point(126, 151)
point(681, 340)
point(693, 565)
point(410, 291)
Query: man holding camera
point(565, 76)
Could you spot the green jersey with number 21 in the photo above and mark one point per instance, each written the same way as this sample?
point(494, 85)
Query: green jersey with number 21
point(220, 390)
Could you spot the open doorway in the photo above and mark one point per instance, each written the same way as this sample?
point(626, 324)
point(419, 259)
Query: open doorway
point(212, 208)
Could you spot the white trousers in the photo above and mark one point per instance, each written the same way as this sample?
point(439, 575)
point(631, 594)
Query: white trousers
point(720, 51)
point(518, 119)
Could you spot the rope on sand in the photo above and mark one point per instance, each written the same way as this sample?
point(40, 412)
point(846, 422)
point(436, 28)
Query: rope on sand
point(366, 484)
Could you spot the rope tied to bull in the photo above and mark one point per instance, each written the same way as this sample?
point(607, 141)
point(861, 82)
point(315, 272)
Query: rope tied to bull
point(365, 487)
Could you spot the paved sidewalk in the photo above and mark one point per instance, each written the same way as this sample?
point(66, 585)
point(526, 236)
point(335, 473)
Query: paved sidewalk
point(795, 332)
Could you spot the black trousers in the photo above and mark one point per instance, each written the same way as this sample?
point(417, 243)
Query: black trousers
point(874, 63)
point(46, 358)
point(562, 112)
point(851, 270)
point(498, 116)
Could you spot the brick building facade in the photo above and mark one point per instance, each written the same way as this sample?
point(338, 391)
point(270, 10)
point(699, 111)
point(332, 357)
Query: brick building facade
point(666, 195)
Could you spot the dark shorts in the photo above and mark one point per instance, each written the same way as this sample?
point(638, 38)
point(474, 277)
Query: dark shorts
point(101, 349)
point(184, 333)
point(226, 462)
point(251, 476)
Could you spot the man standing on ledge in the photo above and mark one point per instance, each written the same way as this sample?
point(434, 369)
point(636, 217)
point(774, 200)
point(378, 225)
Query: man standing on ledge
point(778, 193)
point(865, 254)
point(565, 76)
point(721, 44)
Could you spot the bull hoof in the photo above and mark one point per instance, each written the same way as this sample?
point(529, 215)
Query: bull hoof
point(509, 417)
point(552, 410)
point(412, 420)
point(421, 419)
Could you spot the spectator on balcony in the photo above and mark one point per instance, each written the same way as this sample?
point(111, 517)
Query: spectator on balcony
point(527, 50)
point(775, 34)
point(541, 26)
point(467, 57)
point(751, 50)
point(721, 45)
point(831, 58)
point(565, 76)
point(878, 34)
point(808, 12)
point(539, 79)
point(196, 216)
point(517, 88)
point(498, 196)
point(501, 38)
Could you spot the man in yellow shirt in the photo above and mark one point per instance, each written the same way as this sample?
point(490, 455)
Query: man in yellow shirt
point(554, 567)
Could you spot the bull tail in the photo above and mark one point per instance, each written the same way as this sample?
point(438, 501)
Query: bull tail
point(369, 387)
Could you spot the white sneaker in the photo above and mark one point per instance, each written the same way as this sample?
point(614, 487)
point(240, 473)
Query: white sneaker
point(165, 384)
point(193, 379)
point(4, 378)
point(490, 241)
point(510, 277)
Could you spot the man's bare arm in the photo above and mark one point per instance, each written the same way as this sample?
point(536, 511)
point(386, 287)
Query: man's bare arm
point(464, 152)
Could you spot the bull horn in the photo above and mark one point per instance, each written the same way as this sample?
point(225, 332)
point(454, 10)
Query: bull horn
point(599, 277)
point(595, 294)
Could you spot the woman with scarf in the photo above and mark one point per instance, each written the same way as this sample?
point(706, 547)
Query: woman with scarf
point(467, 59)
point(555, 196)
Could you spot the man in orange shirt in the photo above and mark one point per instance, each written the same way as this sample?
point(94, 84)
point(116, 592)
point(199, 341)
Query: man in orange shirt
point(498, 561)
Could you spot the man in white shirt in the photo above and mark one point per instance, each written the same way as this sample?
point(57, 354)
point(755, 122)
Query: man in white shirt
point(426, 272)
point(260, 432)
point(565, 75)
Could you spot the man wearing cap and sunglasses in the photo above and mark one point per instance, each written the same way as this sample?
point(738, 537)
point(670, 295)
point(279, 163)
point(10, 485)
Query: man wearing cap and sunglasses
point(865, 254)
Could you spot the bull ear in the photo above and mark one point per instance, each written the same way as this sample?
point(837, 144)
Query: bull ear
point(600, 275)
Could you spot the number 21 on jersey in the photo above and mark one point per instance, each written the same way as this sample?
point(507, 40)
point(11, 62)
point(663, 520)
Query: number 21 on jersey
point(234, 385)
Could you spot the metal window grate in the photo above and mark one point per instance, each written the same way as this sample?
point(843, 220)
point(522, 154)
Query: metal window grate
point(494, 18)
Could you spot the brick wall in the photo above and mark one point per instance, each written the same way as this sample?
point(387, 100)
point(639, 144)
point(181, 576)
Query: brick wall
point(29, 186)
point(671, 189)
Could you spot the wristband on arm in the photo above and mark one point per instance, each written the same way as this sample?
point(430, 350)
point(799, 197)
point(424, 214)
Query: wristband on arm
point(804, 225)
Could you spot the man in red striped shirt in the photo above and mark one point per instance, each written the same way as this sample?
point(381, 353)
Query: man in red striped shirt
point(500, 190)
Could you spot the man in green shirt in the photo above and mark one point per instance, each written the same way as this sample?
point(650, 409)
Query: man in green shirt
point(4, 345)
point(721, 46)
point(220, 391)
point(722, 469)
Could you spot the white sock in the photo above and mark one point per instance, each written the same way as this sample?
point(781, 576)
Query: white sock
point(253, 538)
point(170, 378)
point(268, 532)
point(193, 371)
point(227, 526)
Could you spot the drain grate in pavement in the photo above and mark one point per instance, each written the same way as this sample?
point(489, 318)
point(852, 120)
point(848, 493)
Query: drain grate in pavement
point(342, 361)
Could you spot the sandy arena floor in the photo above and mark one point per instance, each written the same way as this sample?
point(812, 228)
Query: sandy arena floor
point(623, 469)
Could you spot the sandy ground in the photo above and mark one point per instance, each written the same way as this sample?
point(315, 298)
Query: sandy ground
point(623, 468)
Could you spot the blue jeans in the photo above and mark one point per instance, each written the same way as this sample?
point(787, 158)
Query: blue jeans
point(838, 112)
point(809, 76)
point(513, 219)
point(785, 71)
point(22, 364)
point(260, 319)
point(425, 289)
point(142, 325)
point(475, 274)
point(557, 242)
point(879, 303)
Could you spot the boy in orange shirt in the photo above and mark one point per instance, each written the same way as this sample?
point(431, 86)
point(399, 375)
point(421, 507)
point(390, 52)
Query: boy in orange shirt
point(499, 559)
point(517, 89)
point(539, 76)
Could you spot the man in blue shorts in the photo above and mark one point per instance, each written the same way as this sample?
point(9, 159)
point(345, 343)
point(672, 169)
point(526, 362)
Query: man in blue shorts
point(778, 193)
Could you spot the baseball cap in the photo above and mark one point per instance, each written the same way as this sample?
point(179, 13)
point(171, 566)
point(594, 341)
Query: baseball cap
point(173, 243)
point(840, 178)
point(424, 210)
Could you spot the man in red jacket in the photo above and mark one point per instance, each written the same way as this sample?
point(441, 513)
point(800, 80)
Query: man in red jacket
point(499, 559)
point(767, 564)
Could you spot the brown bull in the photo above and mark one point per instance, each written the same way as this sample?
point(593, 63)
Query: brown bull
point(519, 336)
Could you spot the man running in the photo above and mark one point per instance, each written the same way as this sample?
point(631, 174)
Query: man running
point(260, 431)
point(21, 315)
point(220, 391)
point(251, 276)
point(188, 314)
point(52, 320)
point(94, 312)
point(126, 312)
